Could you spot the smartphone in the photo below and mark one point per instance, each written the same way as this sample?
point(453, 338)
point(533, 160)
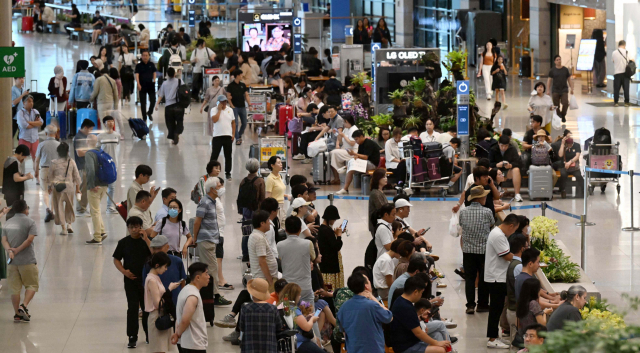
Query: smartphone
point(380, 300)
point(344, 225)
point(434, 310)
point(317, 313)
point(9, 261)
point(424, 231)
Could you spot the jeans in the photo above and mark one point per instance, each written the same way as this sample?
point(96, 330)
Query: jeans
point(620, 80)
point(196, 85)
point(174, 118)
point(497, 293)
point(564, 176)
point(151, 91)
point(111, 190)
point(217, 143)
point(309, 347)
point(242, 114)
point(437, 330)
point(561, 98)
point(474, 263)
point(135, 299)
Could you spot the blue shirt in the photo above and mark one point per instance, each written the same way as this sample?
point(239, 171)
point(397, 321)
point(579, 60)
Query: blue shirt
point(397, 284)
point(174, 273)
point(24, 117)
point(15, 93)
point(361, 320)
point(162, 213)
point(209, 230)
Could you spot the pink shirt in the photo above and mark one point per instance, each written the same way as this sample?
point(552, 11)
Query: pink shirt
point(152, 280)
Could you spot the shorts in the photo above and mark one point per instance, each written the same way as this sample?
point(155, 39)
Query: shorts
point(220, 249)
point(272, 81)
point(456, 169)
point(419, 347)
point(20, 276)
point(33, 146)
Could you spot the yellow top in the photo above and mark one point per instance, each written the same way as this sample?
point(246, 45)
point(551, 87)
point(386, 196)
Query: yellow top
point(276, 187)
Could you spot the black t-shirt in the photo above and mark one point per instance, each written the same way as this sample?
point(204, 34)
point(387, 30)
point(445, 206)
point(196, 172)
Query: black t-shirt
point(405, 319)
point(135, 254)
point(237, 91)
point(568, 153)
point(12, 189)
point(146, 72)
point(232, 61)
point(560, 77)
point(322, 120)
point(488, 204)
point(528, 136)
point(371, 149)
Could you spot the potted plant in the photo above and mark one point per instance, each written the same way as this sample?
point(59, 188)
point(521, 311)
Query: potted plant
point(397, 97)
point(417, 86)
point(412, 121)
point(417, 101)
point(455, 63)
point(383, 120)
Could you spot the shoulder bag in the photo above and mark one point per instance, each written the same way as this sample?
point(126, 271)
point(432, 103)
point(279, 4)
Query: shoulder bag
point(60, 187)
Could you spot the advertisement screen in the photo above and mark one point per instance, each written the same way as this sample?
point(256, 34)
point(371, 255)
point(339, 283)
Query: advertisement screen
point(585, 54)
point(253, 34)
point(269, 36)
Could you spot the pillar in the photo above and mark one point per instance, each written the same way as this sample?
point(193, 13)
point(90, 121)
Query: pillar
point(540, 36)
point(6, 140)
point(404, 23)
point(612, 36)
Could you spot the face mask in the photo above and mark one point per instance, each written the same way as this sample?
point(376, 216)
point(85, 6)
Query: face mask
point(173, 213)
point(221, 192)
point(528, 230)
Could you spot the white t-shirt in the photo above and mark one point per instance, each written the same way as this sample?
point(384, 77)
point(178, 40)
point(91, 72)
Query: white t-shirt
point(495, 267)
point(128, 59)
point(304, 225)
point(425, 137)
point(619, 58)
point(349, 132)
point(223, 126)
point(444, 137)
point(470, 181)
point(271, 238)
point(384, 236)
point(384, 266)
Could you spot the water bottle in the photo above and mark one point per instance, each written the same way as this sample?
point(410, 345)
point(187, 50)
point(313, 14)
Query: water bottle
point(265, 81)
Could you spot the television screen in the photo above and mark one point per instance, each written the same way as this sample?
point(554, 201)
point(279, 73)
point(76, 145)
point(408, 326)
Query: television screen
point(253, 34)
point(277, 35)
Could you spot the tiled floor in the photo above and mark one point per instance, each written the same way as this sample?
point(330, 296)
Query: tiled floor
point(81, 304)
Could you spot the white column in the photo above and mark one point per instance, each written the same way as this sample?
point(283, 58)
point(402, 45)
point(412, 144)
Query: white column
point(540, 36)
point(404, 23)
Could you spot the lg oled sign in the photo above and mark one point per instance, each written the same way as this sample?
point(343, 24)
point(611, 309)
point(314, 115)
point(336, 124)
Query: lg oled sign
point(404, 55)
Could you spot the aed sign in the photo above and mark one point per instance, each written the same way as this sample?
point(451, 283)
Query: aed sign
point(404, 55)
point(11, 61)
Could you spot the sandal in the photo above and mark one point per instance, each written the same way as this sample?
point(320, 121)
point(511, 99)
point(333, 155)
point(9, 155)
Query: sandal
point(226, 286)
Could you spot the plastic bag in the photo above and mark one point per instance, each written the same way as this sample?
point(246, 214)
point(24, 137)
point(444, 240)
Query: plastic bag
point(556, 121)
point(454, 225)
point(573, 103)
point(316, 147)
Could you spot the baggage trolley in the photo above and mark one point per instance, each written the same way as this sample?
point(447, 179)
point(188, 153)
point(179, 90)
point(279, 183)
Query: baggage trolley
point(603, 156)
point(273, 146)
point(257, 113)
point(419, 179)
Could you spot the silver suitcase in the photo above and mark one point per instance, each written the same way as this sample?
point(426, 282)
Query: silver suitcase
point(540, 182)
point(322, 168)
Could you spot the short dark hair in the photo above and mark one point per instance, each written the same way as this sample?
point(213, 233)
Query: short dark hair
point(396, 244)
point(167, 192)
point(455, 140)
point(357, 283)
point(199, 42)
point(622, 42)
point(278, 285)
point(453, 128)
point(323, 109)
point(273, 160)
point(299, 189)
point(269, 204)
point(293, 225)
point(479, 172)
point(107, 118)
point(507, 132)
point(422, 304)
point(197, 268)
point(19, 206)
point(23, 150)
point(87, 123)
point(142, 195)
point(511, 220)
point(529, 255)
point(504, 140)
point(555, 57)
point(171, 72)
point(181, 29)
point(63, 150)
point(174, 42)
point(297, 180)
point(405, 248)
point(212, 164)
point(537, 119)
point(538, 328)
point(289, 58)
point(386, 209)
point(311, 106)
point(412, 129)
point(134, 221)
point(357, 133)
point(259, 217)
point(143, 169)
point(417, 265)
point(414, 284)
point(535, 87)
point(236, 73)
point(517, 242)
point(170, 26)
point(159, 259)
point(484, 162)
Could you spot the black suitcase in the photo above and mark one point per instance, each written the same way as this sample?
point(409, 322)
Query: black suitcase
point(40, 100)
point(71, 122)
point(432, 150)
point(254, 151)
point(206, 293)
point(154, 45)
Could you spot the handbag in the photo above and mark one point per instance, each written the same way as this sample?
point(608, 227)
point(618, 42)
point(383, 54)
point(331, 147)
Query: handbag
point(60, 187)
point(167, 320)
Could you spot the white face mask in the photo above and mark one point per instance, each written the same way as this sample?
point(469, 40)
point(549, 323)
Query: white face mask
point(528, 230)
point(221, 191)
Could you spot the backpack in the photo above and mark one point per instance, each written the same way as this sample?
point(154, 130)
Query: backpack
point(371, 254)
point(175, 60)
point(139, 128)
point(247, 195)
point(183, 96)
point(539, 155)
point(195, 193)
point(631, 68)
point(106, 171)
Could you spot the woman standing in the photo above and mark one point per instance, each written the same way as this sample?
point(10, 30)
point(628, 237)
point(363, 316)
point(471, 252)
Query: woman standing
point(599, 62)
point(528, 308)
point(488, 58)
point(173, 227)
point(126, 65)
point(366, 39)
point(326, 61)
point(377, 198)
point(113, 73)
point(382, 34)
point(154, 294)
point(213, 92)
point(253, 166)
point(329, 244)
point(145, 35)
point(574, 299)
point(499, 77)
point(541, 104)
point(359, 33)
point(274, 187)
point(63, 171)
point(58, 88)
point(105, 56)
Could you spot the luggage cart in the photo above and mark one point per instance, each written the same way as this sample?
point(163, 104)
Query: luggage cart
point(258, 110)
point(273, 146)
point(603, 156)
point(419, 179)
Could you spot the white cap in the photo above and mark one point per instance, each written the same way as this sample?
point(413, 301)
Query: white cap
point(403, 203)
point(299, 202)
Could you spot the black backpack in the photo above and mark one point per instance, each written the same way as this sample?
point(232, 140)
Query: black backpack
point(631, 68)
point(602, 136)
point(183, 95)
point(371, 254)
point(247, 195)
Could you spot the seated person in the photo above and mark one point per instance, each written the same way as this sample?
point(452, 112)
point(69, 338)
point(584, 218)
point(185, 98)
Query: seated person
point(485, 143)
point(541, 149)
point(509, 133)
point(498, 177)
point(394, 161)
point(273, 74)
point(345, 143)
point(97, 23)
point(384, 267)
point(449, 150)
point(436, 329)
point(333, 125)
point(429, 135)
point(447, 136)
point(533, 336)
point(412, 132)
point(368, 150)
point(311, 130)
point(506, 157)
point(482, 162)
point(567, 161)
point(536, 125)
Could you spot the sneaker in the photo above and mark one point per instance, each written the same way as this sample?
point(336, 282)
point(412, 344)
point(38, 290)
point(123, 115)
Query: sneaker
point(441, 285)
point(69, 229)
point(450, 324)
point(342, 192)
point(459, 273)
point(616, 105)
point(627, 105)
point(103, 236)
point(505, 106)
point(229, 177)
point(228, 321)
point(132, 342)
point(221, 301)
point(64, 231)
point(518, 198)
point(342, 170)
point(482, 309)
point(470, 311)
point(23, 315)
point(112, 211)
point(48, 217)
point(232, 336)
point(497, 344)
point(93, 242)
point(298, 157)
point(307, 161)
point(453, 339)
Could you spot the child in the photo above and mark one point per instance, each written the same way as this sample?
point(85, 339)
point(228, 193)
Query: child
point(499, 74)
point(436, 329)
point(305, 319)
point(129, 257)
point(541, 149)
point(143, 174)
point(107, 141)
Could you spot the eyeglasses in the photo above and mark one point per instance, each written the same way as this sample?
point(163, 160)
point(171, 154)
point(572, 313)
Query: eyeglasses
point(525, 336)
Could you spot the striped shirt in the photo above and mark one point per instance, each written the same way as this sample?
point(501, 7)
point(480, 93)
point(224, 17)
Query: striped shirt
point(476, 222)
point(209, 230)
point(47, 151)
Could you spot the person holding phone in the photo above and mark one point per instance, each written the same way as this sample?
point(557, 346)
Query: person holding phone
point(330, 244)
point(143, 173)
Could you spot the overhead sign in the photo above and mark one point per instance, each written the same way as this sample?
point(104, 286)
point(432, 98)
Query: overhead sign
point(462, 90)
point(11, 61)
point(586, 54)
point(192, 18)
point(374, 47)
point(404, 55)
point(297, 22)
point(297, 43)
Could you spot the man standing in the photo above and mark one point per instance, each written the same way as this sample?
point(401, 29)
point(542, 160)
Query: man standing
point(168, 194)
point(191, 327)
point(46, 152)
point(560, 75)
point(12, 179)
point(497, 260)
point(362, 317)
point(96, 191)
point(476, 222)
point(199, 59)
point(239, 94)
point(620, 60)
point(231, 60)
point(530, 265)
point(296, 254)
point(108, 141)
point(146, 80)
point(173, 112)
point(261, 258)
point(18, 234)
point(224, 126)
point(142, 173)
point(141, 210)
point(481, 178)
point(80, 150)
point(17, 94)
point(105, 92)
point(29, 121)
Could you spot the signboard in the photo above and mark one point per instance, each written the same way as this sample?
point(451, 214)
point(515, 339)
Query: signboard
point(585, 54)
point(192, 18)
point(297, 43)
point(462, 90)
point(335, 61)
point(11, 61)
point(297, 22)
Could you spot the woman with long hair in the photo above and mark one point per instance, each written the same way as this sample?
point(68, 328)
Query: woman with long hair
point(289, 90)
point(486, 63)
point(377, 198)
point(329, 245)
point(394, 161)
point(341, 156)
point(154, 296)
point(381, 34)
point(275, 187)
point(248, 74)
point(499, 78)
point(126, 65)
point(599, 62)
point(383, 136)
point(63, 170)
point(575, 299)
point(359, 32)
point(174, 228)
point(366, 38)
point(105, 56)
point(528, 309)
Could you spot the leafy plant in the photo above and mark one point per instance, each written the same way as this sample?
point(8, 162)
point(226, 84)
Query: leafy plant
point(447, 122)
point(542, 227)
point(559, 268)
point(455, 60)
point(216, 44)
point(397, 96)
point(417, 86)
point(382, 119)
point(417, 102)
point(412, 121)
point(359, 78)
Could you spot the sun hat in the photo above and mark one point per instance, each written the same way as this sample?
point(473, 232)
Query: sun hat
point(477, 192)
point(258, 288)
point(542, 132)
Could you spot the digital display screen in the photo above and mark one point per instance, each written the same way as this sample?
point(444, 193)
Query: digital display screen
point(269, 36)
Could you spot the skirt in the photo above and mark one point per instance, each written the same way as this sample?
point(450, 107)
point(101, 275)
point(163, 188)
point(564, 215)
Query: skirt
point(159, 341)
point(335, 279)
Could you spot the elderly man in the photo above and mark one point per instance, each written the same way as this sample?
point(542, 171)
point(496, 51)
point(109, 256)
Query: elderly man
point(206, 233)
point(141, 209)
point(96, 191)
point(46, 152)
point(175, 271)
point(29, 121)
point(533, 336)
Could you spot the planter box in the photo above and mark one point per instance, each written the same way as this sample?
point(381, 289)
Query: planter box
point(584, 280)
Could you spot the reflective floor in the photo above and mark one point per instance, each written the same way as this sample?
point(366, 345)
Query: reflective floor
point(81, 304)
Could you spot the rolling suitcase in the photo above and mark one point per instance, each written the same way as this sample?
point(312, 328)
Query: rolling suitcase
point(432, 149)
point(86, 113)
point(254, 151)
point(322, 168)
point(71, 121)
point(26, 23)
point(541, 182)
point(433, 168)
point(285, 113)
point(139, 128)
point(60, 118)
